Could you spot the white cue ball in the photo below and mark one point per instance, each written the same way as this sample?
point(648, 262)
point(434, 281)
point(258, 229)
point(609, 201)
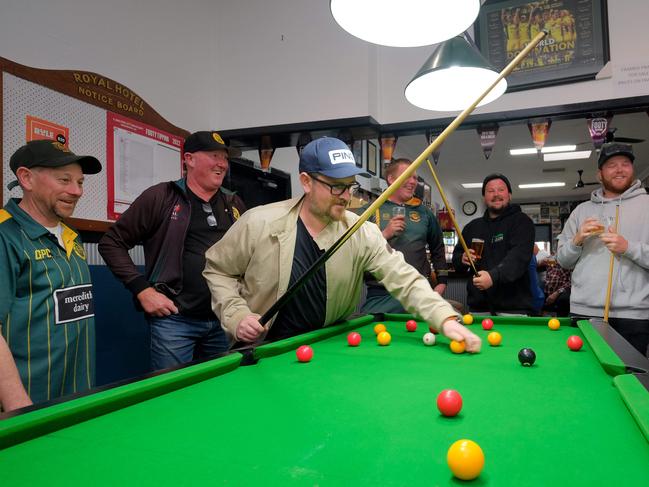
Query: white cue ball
point(429, 339)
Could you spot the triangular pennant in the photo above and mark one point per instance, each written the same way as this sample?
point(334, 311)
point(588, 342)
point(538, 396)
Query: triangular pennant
point(266, 151)
point(598, 128)
point(487, 135)
point(430, 137)
point(539, 131)
point(387, 142)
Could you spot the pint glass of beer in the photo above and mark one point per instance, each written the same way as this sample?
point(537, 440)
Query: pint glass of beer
point(398, 211)
point(477, 245)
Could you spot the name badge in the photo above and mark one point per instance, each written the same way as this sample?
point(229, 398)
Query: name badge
point(73, 303)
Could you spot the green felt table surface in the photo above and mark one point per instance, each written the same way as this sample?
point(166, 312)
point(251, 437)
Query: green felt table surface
point(357, 416)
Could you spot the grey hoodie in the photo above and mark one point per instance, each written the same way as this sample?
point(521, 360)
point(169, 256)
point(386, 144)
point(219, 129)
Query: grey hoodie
point(590, 262)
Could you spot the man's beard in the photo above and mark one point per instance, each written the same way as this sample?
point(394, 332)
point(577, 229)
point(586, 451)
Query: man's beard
point(611, 189)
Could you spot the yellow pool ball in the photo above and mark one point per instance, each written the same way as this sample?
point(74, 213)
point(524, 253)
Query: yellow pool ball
point(467, 319)
point(494, 338)
point(465, 459)
point(458, 347)
point(384, 338)
point(554, 324)
point(379, 327)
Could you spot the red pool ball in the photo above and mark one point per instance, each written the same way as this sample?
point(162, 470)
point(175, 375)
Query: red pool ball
point(304, 353)
point(449, 402)
point(575, 343)
point(487, 324)
point(411, 325)
point(432, 330)
point(354, 339)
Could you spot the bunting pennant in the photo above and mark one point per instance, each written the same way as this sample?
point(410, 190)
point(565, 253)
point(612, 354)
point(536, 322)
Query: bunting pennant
point(387, 142)
point(597, 128)
point(431, 135)
point(539, 131)
point(487, 135)
point(266, 151)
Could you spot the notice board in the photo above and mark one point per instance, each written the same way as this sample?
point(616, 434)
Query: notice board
point(93, 115)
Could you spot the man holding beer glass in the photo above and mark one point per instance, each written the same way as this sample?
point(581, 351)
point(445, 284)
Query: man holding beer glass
point(591, 234)
point(501, 244)
point(409, 226)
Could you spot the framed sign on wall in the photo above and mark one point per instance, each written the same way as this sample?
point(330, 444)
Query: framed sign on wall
point(575, 49)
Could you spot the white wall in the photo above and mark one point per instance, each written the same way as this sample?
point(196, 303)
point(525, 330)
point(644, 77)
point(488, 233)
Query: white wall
point(290, 63)
point(233, 64)
point(226, 64)
point(164, 50)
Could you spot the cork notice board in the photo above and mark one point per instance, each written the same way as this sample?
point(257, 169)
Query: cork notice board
point(93, 115)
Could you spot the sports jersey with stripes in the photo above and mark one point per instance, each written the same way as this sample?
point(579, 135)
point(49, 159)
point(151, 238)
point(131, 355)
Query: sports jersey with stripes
point(46, 306)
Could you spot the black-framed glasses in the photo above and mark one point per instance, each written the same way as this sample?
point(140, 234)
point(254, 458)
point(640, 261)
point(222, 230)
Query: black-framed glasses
point(338, 189)
point(211, 219)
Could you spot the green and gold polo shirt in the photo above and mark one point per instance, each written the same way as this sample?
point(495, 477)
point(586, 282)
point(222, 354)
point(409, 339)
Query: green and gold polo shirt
point(46, 306)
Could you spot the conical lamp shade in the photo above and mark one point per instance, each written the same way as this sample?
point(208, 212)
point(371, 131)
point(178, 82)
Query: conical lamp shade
point(404, 23)
point(452, 77)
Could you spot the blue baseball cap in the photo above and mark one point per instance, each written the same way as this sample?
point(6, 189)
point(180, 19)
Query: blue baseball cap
point(330, 157)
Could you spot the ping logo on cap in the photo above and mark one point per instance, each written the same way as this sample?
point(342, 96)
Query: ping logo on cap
point(341, 156)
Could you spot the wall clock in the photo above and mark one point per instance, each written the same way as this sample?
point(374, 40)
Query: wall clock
point(469, 208)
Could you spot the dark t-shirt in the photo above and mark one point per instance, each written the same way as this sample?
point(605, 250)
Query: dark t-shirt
point(307, 309)
point(205, 229)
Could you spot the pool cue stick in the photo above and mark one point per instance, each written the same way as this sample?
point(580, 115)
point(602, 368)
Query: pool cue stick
point(450, 213)
point(398, 182)
point(609, 287)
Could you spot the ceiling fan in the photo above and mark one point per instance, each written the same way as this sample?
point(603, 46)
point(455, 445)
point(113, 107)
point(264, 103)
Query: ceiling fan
point(611, 137)
point(580, 183)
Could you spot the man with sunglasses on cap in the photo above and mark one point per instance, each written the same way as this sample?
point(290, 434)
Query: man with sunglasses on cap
point(503, 281)
point(46, 305)
point(176, 222)
point(271, 246)
point(589, 237)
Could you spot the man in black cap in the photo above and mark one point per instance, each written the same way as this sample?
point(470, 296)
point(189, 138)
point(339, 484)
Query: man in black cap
point(272, 246)
point(176, 222)
point(503, 282)
point(589, 237)
point(46, 306)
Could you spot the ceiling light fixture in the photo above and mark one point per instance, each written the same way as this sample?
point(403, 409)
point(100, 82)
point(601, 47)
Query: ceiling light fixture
point(567, 156)
point(546, 150)
point(541, 185)
point(404, 23)
point(452, 76)
point(471, 185)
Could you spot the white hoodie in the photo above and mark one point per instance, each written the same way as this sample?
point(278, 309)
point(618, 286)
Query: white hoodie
point(590, 262)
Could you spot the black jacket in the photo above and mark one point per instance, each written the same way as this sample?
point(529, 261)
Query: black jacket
point(158, 219)
point(508, 249)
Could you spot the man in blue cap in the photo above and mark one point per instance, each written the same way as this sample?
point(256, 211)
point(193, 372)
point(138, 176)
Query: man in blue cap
point(271, 246)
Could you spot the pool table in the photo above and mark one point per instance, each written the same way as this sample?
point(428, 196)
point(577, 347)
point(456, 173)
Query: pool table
point(361, 416)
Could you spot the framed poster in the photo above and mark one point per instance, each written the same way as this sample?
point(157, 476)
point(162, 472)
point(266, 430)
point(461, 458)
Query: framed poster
point(371, 158)
point(575, 49)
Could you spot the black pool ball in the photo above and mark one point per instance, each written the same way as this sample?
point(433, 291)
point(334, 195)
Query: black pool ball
point(527, 357)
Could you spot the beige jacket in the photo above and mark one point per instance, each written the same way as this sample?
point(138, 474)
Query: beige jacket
point(249, 269)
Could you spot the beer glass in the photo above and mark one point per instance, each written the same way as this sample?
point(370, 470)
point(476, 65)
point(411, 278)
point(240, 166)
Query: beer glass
point(477, 245)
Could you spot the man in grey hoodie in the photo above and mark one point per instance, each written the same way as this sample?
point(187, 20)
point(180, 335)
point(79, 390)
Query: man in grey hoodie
point(589, 238)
